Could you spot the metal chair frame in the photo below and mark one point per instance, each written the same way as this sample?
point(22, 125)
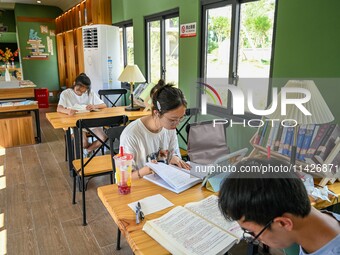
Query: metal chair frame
point(189, 113)
point(108, 92)
point(86, 125)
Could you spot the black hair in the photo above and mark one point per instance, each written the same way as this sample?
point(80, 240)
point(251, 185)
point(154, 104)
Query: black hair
point(165, 97)
point(83, 80)
point(260, 197)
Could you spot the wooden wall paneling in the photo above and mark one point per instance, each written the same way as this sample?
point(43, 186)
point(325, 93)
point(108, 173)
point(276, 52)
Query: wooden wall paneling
point(70, 58)
point(80, 50)
point(89, 12)
point(69, 20)
point(75, 49)
point(106, 12)
point(82, 8)
point(101, 12)
point(57, 25)
point(78, 15)
point(74, 14)
point(61, 59)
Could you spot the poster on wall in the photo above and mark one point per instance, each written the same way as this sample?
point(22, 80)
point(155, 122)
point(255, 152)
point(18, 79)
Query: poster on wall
point(37, 50)
point(188, 30)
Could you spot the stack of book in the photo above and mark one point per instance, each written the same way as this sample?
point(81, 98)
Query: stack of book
point(316, 144)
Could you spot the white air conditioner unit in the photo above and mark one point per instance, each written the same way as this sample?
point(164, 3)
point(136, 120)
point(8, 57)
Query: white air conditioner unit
point(101, 56)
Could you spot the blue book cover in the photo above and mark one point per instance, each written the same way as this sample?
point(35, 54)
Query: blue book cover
point(288, 140)
point(300, 138)
point(263, 133)
point(306, 141)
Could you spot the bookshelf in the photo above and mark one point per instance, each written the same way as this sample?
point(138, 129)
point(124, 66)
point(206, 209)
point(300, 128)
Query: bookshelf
point(317, 169)
point(69, 36)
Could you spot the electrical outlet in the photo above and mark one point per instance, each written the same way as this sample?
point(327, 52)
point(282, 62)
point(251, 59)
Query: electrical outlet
point(50, 94)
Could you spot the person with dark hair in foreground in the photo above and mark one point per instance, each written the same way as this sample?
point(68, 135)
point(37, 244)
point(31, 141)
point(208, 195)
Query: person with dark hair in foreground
point(274, 208)
point(153, 137)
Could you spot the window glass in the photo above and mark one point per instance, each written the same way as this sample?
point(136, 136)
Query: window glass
point(171, 50)
point(129, 46)
point(241, 54)
point(121, 56)
point(154, 50)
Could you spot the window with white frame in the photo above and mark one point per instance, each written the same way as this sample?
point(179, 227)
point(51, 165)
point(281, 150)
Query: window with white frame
point(237, 50)
point(162, 40)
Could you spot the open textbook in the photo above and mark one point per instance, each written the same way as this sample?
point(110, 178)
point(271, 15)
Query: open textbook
point(171, 177)
point(81, 108)
point(196, 228)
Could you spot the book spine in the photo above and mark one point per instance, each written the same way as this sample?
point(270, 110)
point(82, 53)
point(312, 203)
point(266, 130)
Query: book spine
point(335, 153)
point(263, 133)
point(288, 140)
point(276, 130)
point(282, 141)
point(317, 140)
point(328, 143)
point(300, 138)
point(271, 135)
point(258, 135)
point(278, 138)
point(266, 135)
point(306, 141)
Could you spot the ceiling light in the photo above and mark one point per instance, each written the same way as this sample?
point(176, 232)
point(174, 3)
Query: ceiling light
point(39, 2)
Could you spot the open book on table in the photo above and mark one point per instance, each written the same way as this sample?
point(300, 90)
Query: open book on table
point(171, 177)
point(82, 108)
point(196, 228)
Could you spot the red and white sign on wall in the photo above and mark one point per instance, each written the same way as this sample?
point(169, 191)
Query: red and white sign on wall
point(188, 30)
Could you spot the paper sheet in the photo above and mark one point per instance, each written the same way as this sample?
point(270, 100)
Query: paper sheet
point(152, 204)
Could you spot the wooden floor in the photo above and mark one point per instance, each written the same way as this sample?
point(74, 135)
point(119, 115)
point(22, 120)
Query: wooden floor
point(36, 213)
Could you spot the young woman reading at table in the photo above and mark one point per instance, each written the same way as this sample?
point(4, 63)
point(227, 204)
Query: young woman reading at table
point(153, 137)
point(81, 94)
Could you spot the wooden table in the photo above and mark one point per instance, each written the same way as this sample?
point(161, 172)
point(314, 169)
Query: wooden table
point(321, 204)
point(21, 93)
point(125, 218)
point(61, 120)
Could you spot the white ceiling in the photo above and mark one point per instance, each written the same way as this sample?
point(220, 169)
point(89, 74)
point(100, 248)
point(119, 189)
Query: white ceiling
point(62, 4)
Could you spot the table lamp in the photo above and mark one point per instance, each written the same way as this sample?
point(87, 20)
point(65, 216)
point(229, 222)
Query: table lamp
point(131, 74)
point(316, 106)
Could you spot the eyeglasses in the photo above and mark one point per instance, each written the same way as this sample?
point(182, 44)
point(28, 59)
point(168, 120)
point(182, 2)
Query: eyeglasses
point(251, 238)
point(174, 121)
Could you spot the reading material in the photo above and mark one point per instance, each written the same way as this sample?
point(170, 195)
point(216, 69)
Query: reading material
point(82, 108)
point(196, 228)
point(171, 177)
point(152, 204)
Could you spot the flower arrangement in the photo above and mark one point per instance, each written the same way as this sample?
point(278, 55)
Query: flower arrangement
point(8, 55)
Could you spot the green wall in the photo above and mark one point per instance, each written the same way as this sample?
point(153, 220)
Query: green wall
point(44, 73)
point(307, 46)
point(188, 49)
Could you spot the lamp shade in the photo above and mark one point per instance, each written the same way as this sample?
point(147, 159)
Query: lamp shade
point(131, 73)
point(320, 113)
